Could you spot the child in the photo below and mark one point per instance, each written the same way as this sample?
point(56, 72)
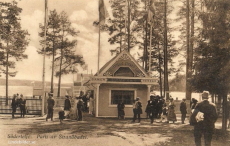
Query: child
point(61, 115)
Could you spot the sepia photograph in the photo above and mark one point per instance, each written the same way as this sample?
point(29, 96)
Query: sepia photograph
point(115, 72)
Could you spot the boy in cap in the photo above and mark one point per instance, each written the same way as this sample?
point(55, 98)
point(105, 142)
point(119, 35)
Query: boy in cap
point(207, 124)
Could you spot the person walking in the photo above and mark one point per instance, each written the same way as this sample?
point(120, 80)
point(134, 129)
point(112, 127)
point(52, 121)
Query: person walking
point(183, 110)
point(137, 110)
point(205, 115)
point(22, 105)
point(79, 109)
point(171, 111)
point(152, 103)
point(14, 105)
point(164, 111)
point(51, 103)
point(121, 110)
point(91, 104)
point(67, 106)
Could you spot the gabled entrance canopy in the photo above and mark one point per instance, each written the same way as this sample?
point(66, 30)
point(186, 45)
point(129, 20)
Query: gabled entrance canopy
point(121, 69)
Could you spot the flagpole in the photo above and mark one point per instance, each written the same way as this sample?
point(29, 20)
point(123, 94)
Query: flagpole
point(99, 42)
point(44, 56)
point(150, 48)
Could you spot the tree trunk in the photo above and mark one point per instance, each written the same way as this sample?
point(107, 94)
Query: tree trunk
point(166, 86)
point(7, 60)
point(59, 78)
point(60, 70)
point(224, 113)
point(129, 25)
point(159, 59)
point(188, 69)
point(52, 74)
point(145, 41)
point(120, 39)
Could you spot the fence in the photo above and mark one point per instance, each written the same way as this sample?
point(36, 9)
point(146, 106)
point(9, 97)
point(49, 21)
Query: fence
point(33, 104)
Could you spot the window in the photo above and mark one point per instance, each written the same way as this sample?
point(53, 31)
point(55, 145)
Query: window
point(124, 72)
point(127, 96)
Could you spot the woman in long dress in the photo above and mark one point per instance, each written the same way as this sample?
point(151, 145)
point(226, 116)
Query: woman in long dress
point(73, 111)
point(91, 103)
point(171, 111)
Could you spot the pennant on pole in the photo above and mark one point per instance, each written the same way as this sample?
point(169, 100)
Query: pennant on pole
point(151, 12)
point(103, 14)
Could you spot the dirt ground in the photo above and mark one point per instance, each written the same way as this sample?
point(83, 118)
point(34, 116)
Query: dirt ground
point(35, 131)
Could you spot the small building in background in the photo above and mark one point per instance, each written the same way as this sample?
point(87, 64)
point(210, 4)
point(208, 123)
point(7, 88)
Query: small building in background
point(121, 78)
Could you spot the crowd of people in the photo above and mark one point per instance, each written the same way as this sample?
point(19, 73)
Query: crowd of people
point(18, 101)
point(156, 108)
point(203, 114)
point(73, 107)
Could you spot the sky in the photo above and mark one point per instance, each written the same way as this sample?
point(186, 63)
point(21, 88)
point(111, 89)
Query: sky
point(82, 14)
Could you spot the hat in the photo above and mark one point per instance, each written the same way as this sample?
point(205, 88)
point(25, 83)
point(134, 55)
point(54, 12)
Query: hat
point(138, 98)
point(67, 96)
point(51, 94)
point(205, 94)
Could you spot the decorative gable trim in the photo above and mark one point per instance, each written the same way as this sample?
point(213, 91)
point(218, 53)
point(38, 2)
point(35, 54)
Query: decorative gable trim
point(124, 59)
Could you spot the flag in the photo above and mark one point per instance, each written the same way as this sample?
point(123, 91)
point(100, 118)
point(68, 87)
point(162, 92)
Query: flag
point(103, 13)
point(151, 12)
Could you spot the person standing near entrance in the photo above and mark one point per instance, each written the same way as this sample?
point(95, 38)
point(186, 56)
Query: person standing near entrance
point(91, 104)
point(137, 110)
point(121, 110)
point(183, 110)
point(51, 103)
point(14, 105)
point(206, 123)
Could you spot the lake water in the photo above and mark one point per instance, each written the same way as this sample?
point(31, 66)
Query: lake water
point(181, 95)
point(25, 90)
point(28, 91)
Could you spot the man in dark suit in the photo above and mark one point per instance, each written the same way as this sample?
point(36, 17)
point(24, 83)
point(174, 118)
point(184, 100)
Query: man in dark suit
point(14, 105)
point(183, 110)
point(205, 120)
point(152, 103)
point(50, 102)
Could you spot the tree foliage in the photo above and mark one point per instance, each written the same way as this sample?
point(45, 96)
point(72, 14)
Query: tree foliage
point(60, 44)
point(212, 55)
point(13, 40)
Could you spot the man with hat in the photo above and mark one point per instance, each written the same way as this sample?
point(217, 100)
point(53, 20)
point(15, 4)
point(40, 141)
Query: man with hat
point(50, 107)
point(183, 110)
point(206, 124)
